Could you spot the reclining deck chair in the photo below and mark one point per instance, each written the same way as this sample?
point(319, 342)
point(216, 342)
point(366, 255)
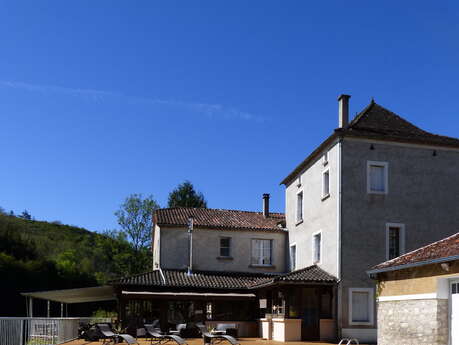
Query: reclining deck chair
point(215, 338)
point(109, 336)
point(157, 338)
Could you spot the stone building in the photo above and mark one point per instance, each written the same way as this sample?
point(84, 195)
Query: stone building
point(418, 296)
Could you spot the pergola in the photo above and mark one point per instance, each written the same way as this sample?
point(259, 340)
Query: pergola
point(69, 296)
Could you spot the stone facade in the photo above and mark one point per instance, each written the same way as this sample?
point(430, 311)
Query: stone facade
point(413, 322)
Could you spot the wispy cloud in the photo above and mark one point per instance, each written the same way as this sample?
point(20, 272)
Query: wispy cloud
point(210, 110)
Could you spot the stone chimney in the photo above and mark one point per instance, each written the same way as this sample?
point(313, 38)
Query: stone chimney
point(266, 205)
point(343, 110)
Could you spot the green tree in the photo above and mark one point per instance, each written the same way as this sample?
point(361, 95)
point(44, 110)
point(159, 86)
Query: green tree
point(186, 196)
point(135, 217)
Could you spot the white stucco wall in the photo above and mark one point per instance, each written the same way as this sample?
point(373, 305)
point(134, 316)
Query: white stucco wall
point(318, 214)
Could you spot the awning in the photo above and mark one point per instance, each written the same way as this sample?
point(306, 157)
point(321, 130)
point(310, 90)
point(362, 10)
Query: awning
point(194, 295)
point(81, 295)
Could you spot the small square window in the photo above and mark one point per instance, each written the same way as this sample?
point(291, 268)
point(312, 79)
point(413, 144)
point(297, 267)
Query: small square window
point(377, 177)
point(225, 246)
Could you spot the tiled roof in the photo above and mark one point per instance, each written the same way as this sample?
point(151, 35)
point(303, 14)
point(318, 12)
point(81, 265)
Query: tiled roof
point(219, 219)
point(308, 274)
point(198, 279)
point(377, 122)
point(443, 249)
point(221, 280)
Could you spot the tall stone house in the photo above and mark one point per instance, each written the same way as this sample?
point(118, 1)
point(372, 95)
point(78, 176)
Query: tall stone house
point(377, 187)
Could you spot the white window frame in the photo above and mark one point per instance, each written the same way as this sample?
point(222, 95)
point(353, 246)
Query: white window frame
point(402, 237)
point(323, 183)
point(298, 181)
point(271, 252)
point(229, 247)
point(371, 306)
point(385, 165)
point(298, 221)
point(325, 158)
point(296, 256)
point(314, 247)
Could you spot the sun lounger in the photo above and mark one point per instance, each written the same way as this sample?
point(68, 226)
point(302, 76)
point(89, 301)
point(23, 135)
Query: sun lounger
point(158, 338)
point(215, 338)
point(109, 336)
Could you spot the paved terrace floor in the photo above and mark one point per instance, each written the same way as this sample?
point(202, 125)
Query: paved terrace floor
point(199, 341)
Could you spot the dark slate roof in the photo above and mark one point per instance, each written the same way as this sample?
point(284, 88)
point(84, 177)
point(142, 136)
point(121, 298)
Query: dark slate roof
point(221, 280)
point(198, 279)
point(377, 122)
point(308, 274)
point(440, 251)
point(219, 219)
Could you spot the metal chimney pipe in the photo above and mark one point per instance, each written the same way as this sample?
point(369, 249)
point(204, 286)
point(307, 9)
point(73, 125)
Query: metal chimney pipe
point(266, 205)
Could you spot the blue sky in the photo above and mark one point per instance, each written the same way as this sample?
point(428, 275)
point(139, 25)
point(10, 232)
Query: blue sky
point(101, 99)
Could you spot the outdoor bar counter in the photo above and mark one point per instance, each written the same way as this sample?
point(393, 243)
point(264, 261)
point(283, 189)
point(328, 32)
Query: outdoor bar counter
point(280, 329)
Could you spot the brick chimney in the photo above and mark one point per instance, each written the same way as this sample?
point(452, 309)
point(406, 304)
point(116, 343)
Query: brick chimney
point(266, 205)
point(343, 110)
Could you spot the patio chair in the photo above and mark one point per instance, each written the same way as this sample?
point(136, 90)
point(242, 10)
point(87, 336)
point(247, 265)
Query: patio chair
point(178, 329)
point(215, 338)
point(158, 338)
point(109, 336)
point(226, 328)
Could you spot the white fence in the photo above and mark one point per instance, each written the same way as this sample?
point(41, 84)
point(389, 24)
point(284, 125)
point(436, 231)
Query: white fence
point(40, 331)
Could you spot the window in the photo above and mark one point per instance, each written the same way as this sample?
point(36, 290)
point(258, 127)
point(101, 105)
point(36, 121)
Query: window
point(298, 181)
point(293, 257)
point(299, 207)
point(361, 306)
point(225, 246)
point(316, 247)
point(377, 177)
point(261, 252)
point(325, 158)
point(325, 183)
point(395, 240)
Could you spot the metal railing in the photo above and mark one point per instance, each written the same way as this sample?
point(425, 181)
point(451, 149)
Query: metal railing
point(41, 331)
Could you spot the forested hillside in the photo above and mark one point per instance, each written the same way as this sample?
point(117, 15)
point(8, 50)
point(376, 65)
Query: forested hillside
point(37, 255)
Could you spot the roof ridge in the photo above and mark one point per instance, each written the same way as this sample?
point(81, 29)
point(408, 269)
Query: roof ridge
point(216, 209)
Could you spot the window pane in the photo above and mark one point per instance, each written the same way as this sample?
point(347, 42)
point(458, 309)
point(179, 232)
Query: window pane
point(360, 306)
point(326, 183)
point(394, 242)
point(377, 178)
point(317, 242)
point(299, 207)
point(255, 251)
point(293, 257)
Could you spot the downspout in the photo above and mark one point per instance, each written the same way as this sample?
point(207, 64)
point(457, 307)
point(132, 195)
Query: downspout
point(339, 298)
point(190, 238)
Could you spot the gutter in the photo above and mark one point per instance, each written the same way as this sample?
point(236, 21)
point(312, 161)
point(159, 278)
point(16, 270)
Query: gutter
point(415, 264)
